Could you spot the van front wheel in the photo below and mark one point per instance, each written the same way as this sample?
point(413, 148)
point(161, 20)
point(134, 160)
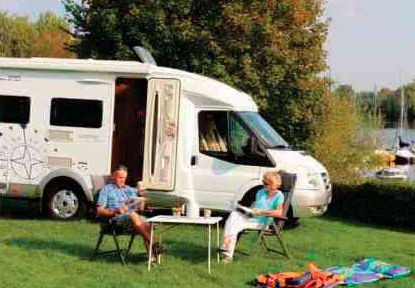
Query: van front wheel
point(64, 202)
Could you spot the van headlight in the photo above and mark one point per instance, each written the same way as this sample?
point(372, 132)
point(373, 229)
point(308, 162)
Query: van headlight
point(314, 179)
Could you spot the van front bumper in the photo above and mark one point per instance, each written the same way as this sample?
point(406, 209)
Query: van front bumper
point(311, 202)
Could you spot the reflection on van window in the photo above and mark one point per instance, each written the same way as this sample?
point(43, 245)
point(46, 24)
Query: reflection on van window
point(14, 109)
point(241, 141)
point(263, 130)
point(76, 113)
point(213, 131)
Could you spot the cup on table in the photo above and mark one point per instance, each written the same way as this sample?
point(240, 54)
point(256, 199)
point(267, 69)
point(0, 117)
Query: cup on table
point(140, 187)
point(207, 213)
point(141, 191)
point(176, 211)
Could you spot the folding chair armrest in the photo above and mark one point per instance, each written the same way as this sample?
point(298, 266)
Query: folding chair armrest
point(280, 218)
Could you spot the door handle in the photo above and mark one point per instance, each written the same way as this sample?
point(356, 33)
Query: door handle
point(193, 161)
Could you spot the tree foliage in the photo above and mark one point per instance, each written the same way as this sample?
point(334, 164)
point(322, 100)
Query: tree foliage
point(47, 37)
point(388, 103)
point(271, 49)
point(344, 137)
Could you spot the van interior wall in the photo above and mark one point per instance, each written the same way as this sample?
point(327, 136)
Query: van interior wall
point(129, 126)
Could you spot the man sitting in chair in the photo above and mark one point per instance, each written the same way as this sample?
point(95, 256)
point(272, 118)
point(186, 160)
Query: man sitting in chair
point(268, 203)
point(120, 201)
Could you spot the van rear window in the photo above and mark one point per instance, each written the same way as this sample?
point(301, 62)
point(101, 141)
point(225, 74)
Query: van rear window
point(76, 113)
point(14, 109)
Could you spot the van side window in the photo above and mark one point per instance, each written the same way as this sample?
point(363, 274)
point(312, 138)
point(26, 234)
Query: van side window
point(14, 109)
point(213, 132)
point(223, 135)
point(76, 113)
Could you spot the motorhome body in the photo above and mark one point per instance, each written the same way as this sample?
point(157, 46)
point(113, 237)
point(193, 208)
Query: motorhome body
point(188, 137)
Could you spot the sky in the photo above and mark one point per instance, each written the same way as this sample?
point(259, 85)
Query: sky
point(371, 43)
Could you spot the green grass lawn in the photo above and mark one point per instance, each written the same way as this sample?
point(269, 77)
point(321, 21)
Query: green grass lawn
point(44, 253)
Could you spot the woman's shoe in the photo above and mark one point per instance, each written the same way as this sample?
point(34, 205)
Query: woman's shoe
point(226, 260)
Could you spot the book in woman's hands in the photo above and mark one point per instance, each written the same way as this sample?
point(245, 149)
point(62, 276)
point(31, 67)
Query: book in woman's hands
point(244, 209)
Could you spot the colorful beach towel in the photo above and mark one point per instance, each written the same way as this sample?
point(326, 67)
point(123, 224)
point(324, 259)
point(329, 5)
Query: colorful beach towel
point(368, 270)
point(312, 278)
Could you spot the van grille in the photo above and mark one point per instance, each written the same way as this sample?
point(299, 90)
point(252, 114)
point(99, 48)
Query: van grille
point(58, 162)
point(326, 180)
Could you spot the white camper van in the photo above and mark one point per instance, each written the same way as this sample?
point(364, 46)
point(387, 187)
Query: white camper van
point(188, 137)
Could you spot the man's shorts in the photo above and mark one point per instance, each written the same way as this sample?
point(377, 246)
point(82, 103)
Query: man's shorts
point(122, 221)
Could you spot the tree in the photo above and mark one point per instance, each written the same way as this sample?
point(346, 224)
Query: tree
point(16, 36)
point(272, 50)
point(344, 139)
point(45, 38)
point(51, 37)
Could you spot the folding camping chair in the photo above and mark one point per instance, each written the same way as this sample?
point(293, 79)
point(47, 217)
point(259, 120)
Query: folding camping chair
point(274, 229)
point(110, 227)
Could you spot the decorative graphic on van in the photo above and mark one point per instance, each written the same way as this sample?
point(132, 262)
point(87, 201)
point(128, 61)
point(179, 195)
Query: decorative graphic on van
point(20, 156)
point(26, 162)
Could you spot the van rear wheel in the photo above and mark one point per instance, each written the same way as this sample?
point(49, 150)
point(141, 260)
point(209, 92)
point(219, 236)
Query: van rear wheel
point(64, 202)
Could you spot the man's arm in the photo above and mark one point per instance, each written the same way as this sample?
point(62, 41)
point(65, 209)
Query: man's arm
point(102, 211)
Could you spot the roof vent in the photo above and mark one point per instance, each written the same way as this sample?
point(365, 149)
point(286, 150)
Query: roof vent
point(144, 55)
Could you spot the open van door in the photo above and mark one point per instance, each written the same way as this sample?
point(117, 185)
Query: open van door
point(161, 134)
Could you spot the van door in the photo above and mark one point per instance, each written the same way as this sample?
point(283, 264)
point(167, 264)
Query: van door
point(161, 134)
point(227, 158)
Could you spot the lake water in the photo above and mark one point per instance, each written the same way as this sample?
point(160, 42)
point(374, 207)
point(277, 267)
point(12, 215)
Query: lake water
point(387, 137)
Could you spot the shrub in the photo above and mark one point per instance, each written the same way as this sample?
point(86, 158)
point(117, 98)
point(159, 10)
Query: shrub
point(375, 202)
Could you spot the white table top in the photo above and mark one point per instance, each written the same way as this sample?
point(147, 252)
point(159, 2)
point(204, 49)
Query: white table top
point(184, 219)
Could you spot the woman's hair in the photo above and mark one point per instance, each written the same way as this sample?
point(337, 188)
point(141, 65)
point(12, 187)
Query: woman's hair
point(275, 174)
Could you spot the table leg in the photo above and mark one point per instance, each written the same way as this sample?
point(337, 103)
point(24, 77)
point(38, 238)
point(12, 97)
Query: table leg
point(151, 246)
point(217, 241)
point(209, 250)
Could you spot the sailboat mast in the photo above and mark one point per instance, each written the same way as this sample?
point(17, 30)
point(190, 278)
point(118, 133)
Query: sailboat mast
point(402, 112)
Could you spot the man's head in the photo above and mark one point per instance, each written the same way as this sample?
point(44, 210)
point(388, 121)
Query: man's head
point(272, 180)
point(119, 176)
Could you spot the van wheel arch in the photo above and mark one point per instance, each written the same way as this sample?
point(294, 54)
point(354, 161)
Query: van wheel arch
point(63, 198)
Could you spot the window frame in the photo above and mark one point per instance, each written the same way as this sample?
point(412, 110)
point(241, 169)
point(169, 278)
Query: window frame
point(53, 120)
point(230, 156)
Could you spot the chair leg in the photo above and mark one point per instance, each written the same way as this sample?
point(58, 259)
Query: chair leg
point(279, 237)
point(100, 238)
point(238, 241)
point(264, 242)
point(130, 244)
point(119, 252)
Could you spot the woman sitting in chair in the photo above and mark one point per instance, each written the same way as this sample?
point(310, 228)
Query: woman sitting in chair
point(268, 203)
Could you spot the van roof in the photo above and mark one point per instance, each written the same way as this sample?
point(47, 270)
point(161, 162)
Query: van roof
point(217, 92)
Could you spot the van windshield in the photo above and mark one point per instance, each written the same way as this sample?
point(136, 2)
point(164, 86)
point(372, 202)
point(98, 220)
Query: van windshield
point(263, 130)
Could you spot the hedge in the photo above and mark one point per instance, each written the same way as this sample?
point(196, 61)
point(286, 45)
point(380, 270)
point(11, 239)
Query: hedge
point(375, 202)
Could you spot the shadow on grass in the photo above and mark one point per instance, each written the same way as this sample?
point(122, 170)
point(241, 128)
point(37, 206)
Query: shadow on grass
point(187, 251)
point(19, 208)
point(81, 251)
